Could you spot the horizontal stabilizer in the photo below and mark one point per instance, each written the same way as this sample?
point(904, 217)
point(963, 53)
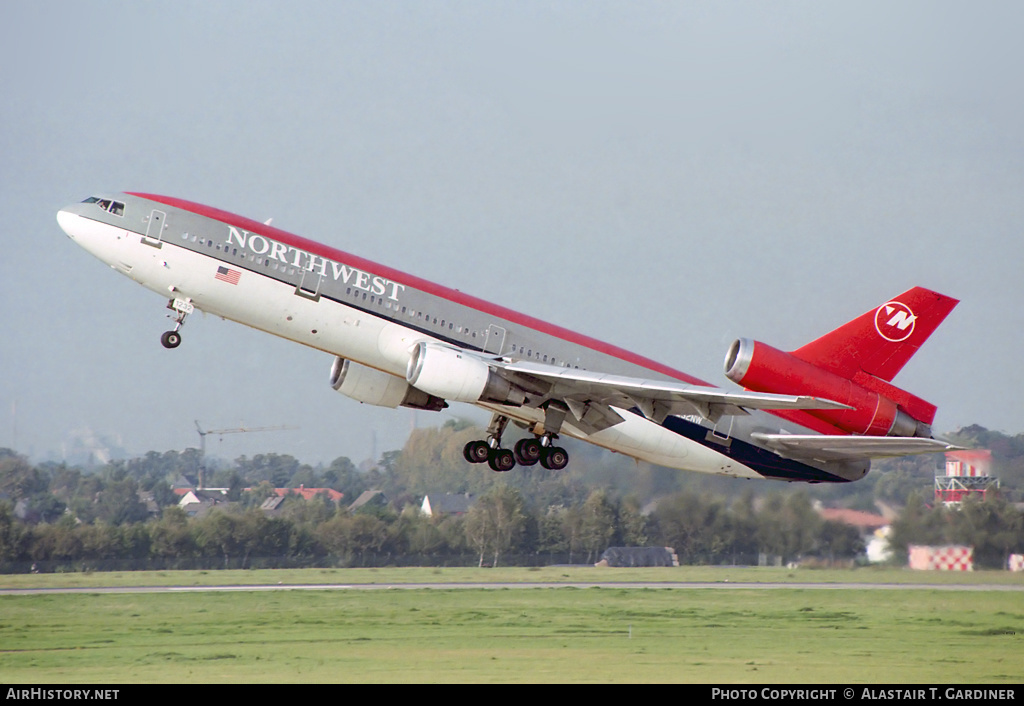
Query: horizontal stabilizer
point(849, 448)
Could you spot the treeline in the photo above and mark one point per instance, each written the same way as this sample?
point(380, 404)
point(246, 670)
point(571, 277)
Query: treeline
point(54, 515)
point(500, 527)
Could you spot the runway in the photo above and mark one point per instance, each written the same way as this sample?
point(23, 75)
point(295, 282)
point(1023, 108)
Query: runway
point(663, 585)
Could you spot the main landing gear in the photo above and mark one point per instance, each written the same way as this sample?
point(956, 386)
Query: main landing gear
point(182, 307)
point(527, 451)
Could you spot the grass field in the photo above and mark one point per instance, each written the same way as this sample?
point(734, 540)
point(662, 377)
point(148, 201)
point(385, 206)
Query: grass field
point(558, 574)
point(566, 634)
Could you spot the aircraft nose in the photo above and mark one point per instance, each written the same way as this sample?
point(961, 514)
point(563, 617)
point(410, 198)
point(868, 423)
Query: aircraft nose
point(66, 220)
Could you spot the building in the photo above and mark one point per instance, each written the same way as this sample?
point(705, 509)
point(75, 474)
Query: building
point(967, 474)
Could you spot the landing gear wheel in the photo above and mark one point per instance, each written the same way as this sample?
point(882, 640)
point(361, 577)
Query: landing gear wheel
point(501, 460)
point(171, 339)
point(528, 451)
point(554, 458)
point(476, 451)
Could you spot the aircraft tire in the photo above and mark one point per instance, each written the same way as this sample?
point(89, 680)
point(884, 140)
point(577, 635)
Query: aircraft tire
point(476, 451)
point(555, 458)
point(528, 452)
point(170, 339)
point(501, 460)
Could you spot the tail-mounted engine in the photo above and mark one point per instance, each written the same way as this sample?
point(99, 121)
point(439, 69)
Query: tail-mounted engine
point(374, 387)
point(876, 404)
point(452, 374)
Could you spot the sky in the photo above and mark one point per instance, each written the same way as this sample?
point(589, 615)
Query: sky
point(664, 176)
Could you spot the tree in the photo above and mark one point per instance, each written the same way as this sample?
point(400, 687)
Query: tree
point(993, 526)
point(18, 478)
point(343, 476)
point(632, 525)
point(119, 503)
point(917, 524)
point(691, 524)
point(598, 524)
point(495, 522)
point(12, 534)
point(346, 535)
point(170, 536)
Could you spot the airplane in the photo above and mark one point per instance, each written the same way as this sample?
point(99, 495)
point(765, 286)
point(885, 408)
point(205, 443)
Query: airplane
point(819, 413)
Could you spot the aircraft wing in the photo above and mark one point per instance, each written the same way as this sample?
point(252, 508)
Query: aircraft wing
point(839, 448)
point(590, 395)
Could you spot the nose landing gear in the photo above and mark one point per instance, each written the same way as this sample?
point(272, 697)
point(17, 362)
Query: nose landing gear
point(183, 307)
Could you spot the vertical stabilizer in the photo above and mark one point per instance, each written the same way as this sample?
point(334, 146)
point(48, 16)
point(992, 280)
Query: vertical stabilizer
point(881, 341)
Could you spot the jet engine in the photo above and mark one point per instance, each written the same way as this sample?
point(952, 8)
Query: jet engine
point(762, 368)
point(453, 374)
point(374, 387)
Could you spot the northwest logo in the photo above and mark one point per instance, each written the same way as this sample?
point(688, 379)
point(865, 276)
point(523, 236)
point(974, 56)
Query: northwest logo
point(300, 259)
point(894, 321)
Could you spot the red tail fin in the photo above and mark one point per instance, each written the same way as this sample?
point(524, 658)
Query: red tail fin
point(881, 341)
point(853, 365)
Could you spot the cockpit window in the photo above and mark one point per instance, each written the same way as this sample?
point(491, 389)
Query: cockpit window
point(115, 207)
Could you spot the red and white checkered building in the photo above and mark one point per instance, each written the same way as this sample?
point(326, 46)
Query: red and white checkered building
point(949, 558)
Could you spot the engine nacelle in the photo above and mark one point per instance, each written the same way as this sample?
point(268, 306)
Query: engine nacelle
point(374, 387)
point(762, 368)
point(454, 375)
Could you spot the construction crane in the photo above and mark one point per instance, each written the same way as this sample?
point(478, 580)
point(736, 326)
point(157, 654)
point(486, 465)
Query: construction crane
point(220, 432)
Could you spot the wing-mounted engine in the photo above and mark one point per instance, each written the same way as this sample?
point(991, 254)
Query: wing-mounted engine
point(454, 374)
point(374, 387)
point(878, 408)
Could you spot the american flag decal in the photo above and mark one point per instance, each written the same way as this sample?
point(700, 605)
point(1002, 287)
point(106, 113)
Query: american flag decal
point(226, 274)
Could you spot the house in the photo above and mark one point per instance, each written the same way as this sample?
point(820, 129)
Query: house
point(368, 499)
point(874, 530)
point(197, 503)
point(309, 493)
point(447, 504)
